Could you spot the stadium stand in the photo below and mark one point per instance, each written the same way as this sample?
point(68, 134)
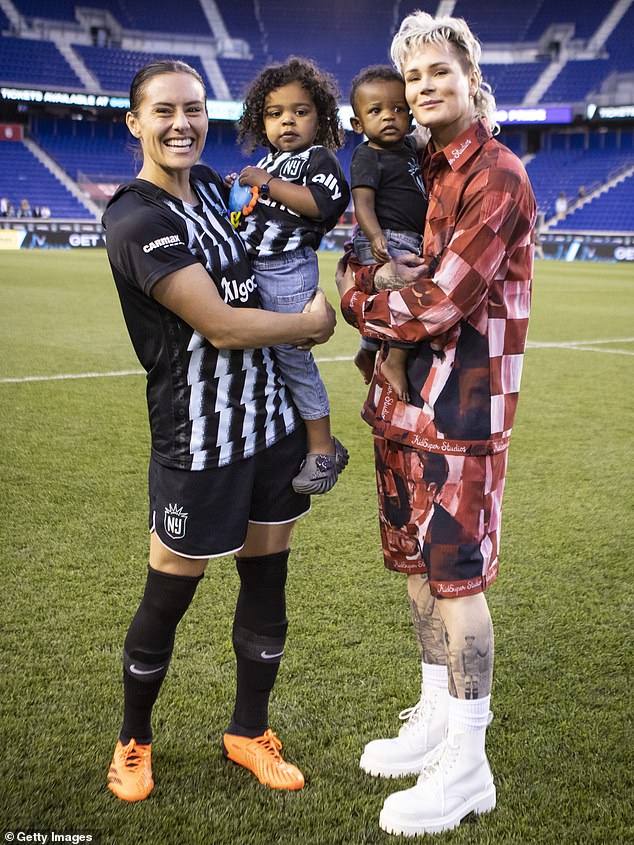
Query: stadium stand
point(586, 15)
point(341, 46)
point(568, 170)
point(36, 63)
point(611, 211)
point(581, 78)
point(114, 68)
point(492, 21)
point(619, 44)
point(342, 38)
point(273, 35)
point(22, 176)
point(577, 80)
point(102, 151)
point(187, 18)
point(510, 83)
point(54, 10)
point(239, 72)
point(131, 14)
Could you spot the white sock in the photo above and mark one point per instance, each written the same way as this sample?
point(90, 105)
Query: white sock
point(468, 715)
point(434, 676)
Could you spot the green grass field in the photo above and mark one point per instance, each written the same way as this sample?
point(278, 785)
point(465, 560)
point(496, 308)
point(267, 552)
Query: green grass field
point(73, 535)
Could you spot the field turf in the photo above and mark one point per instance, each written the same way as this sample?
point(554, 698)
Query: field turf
point(73, 534)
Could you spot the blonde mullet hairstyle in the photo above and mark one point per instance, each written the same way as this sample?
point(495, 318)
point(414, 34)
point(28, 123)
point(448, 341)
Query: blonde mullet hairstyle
point(420, 28)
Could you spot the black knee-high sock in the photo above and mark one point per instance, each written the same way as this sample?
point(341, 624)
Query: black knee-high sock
point(259, 634)
point(148, 648)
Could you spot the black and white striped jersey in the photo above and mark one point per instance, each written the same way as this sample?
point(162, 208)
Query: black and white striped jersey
point(207, 407)
point(272, 228)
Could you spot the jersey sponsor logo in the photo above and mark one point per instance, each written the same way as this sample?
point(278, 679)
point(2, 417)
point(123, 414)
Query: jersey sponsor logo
point(233, 290)
point(328, 181)
point(175, 522)
point(168, 240)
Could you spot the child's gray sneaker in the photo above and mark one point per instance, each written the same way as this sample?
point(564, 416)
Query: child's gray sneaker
point(341, 455)
point(318, 473)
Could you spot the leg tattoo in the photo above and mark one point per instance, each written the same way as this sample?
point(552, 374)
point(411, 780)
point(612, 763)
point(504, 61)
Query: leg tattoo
point(469, 636)
point(427, 622)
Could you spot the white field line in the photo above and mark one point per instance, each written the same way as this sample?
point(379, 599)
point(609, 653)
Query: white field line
point(577, 345)
point(585, 345)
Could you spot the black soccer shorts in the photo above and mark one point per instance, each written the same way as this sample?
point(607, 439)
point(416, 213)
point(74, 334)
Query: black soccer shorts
point(206, 513)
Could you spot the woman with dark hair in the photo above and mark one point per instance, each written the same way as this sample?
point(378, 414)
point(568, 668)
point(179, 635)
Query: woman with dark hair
point(226, 438)
point(466, 305)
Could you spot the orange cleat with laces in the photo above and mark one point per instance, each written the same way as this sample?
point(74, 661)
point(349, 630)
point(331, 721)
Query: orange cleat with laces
point(130, 775)
point(261, 755)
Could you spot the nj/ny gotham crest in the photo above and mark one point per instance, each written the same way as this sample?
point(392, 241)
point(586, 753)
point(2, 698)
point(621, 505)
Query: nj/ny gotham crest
point(175, 522)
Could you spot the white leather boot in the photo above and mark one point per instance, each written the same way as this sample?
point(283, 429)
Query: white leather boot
point(424, 728)
point(455, 780)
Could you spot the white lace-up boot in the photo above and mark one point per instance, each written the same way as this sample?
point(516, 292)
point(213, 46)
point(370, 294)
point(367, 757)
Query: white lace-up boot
point(424, 727)
point(455, 780)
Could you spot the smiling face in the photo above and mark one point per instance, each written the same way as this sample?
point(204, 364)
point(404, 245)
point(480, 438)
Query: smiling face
point(290, 118)
point(440, 91)
point(381, 113)
point(171, 123)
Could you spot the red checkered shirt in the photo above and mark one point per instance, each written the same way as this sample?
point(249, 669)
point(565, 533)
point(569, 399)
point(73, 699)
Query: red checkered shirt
point(470, 319)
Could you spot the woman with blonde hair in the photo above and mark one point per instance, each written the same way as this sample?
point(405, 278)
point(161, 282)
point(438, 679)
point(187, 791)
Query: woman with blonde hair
point(441, 454)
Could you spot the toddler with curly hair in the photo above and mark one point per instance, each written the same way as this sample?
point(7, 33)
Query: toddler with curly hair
point(291, 109)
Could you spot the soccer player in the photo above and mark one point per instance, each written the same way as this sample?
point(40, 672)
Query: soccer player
point(226, 438)
point(480, 223)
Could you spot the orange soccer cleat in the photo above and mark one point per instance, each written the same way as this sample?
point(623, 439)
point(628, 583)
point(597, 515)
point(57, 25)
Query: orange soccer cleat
point(130, 775)
point(262, 756)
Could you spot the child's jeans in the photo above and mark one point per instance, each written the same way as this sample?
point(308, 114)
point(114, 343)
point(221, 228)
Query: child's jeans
point(398, 243)
point(286, 283)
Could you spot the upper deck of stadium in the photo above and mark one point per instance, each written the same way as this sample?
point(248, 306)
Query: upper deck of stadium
point(573, 55)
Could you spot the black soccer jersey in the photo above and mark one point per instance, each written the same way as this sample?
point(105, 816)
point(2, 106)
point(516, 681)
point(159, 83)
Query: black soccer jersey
point(272, 228)
point(400, 201)
point(207, 407)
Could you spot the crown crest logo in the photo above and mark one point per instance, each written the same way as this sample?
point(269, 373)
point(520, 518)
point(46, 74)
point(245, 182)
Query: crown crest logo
point(175, 521)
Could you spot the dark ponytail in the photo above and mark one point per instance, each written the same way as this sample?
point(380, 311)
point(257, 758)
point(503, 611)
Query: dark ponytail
point(142, 77)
